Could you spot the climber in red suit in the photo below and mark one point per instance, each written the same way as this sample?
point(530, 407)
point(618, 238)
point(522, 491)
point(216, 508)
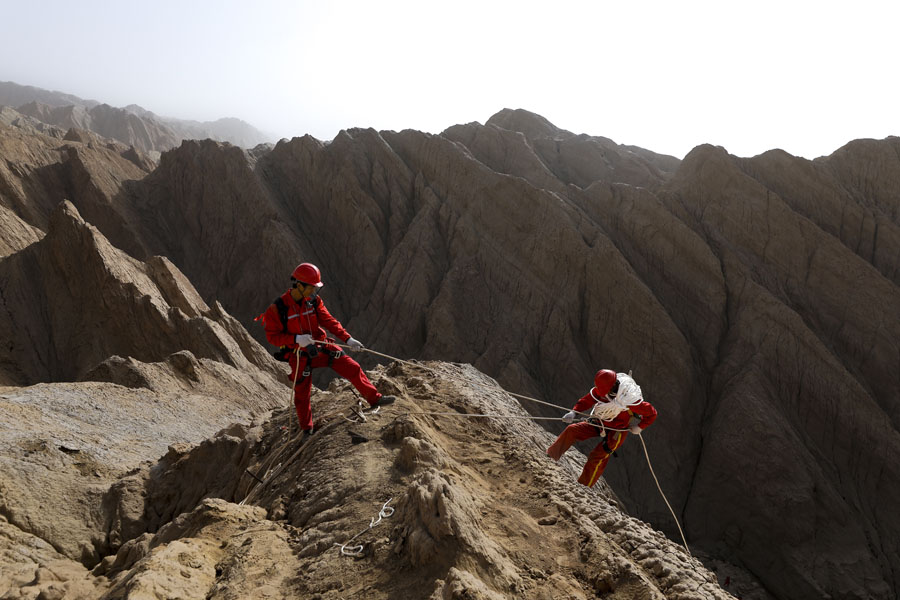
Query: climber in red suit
point(628, 415)
point(307, 320)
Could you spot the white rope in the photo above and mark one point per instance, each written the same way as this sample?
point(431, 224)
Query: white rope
point(664, 496)
point(347, 549)
point(497, 416)
point(493, 388)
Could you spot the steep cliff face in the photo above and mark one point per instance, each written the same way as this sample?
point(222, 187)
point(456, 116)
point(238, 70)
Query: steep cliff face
point(753, 299)
point(851, 195)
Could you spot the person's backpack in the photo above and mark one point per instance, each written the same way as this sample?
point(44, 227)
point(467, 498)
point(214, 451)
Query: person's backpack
point(281, 353)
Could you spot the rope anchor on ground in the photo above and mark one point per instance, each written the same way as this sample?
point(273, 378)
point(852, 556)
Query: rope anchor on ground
point(348, 550)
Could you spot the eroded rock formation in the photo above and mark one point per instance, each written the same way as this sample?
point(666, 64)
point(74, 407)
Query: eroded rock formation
point(754, 299)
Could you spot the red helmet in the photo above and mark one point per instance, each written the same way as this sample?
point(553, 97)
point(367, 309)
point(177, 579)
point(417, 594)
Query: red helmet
point(604, 381)
point(308, 273)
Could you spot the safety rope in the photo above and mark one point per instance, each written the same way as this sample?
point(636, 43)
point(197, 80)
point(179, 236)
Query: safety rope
point(347, 549)
point(493, 388)
point(664, 496)
point(500, 416)
point(293, 391)
point(500, 389)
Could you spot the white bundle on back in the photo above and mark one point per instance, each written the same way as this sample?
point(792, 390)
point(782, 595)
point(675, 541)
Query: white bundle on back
point(629, 394)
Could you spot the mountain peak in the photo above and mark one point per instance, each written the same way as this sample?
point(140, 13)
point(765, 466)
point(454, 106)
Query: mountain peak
point(531, 124)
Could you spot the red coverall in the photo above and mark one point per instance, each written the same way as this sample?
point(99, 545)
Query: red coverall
point(599, 456)
point(310, 316)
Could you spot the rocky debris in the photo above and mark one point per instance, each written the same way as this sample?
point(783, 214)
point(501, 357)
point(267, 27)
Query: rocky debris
point(66, 444)
point(32, 568)
point(218, 550)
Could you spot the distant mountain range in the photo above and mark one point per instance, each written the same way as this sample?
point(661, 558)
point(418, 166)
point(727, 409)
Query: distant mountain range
point(132, 125)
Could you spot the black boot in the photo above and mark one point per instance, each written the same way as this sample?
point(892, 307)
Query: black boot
point(384, 401)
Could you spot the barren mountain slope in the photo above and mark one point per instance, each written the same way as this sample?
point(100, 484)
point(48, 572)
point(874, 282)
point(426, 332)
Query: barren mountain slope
point(854, 195)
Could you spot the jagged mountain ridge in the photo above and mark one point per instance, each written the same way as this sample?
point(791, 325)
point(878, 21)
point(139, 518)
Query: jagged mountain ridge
point(755, 344)
point(132, 125)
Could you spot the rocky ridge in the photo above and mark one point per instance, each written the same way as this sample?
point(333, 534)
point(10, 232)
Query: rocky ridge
point(469, 508)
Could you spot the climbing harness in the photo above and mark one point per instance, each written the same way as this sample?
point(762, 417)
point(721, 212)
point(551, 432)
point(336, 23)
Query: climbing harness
point(348, 550)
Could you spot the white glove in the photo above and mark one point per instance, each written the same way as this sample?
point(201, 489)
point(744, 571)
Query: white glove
point(304, 339)
point(355, 344)
point(634, 426)
point(569, 416)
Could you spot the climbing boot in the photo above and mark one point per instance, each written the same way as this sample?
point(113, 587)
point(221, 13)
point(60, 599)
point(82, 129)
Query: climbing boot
point(384, 401)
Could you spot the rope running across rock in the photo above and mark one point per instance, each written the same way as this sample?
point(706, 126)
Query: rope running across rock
point(495, 388)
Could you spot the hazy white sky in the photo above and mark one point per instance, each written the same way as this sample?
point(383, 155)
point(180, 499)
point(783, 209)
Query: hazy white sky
point(804, 76)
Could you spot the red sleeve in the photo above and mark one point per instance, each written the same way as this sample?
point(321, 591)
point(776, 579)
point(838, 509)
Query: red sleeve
point(585, 403)
point(275, 329)
point(330, 323)
point(645, 411)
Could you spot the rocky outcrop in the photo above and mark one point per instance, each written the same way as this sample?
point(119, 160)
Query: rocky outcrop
point(583, 159)
point(15, 234)
point(93, 301)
